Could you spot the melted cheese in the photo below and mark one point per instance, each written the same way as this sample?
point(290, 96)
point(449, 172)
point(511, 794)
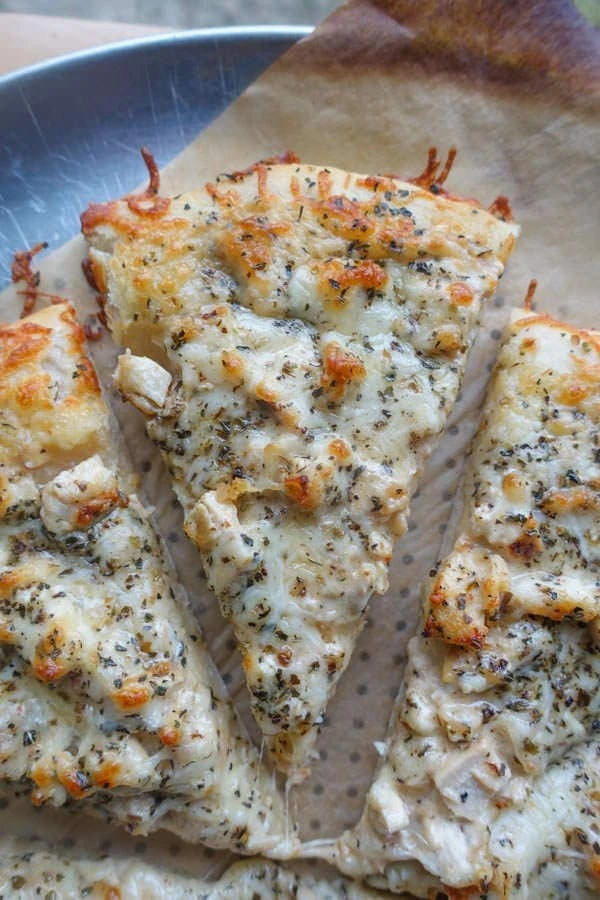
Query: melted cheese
point(491, 775)
point(51, 410)
point(29, 871)
point(107, 695)
point(316, 324)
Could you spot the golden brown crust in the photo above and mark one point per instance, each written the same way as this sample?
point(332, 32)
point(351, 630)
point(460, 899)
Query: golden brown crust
point(581, 334)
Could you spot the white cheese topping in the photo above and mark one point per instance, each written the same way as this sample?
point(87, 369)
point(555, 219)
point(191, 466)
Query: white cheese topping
point(316, 324)
point(105, 692)
point(493, 749)
point(108, 698)
point(52, 414)
point(29, 871)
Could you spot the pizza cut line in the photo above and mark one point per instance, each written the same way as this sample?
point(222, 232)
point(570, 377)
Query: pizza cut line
point(490, 782)
point(298, 336)
point(108, 700)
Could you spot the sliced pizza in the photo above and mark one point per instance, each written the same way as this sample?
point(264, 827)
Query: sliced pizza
point(303, 334)
point(108, 699)
point(29, 870)
point(490, 784)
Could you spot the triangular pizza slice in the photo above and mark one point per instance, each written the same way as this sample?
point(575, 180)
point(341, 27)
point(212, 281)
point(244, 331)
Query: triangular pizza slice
point(314, 325)
point(108, 699)
point(490, 784)
point(29, 870)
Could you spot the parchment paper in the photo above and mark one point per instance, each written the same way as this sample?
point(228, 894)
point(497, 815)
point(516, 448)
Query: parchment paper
point(516, 87)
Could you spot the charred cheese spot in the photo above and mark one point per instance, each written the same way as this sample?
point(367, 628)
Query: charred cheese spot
point(529, 543)
point(34, 392)
point(215, 312)
point(340, 450)
point(572, 393)
point(528, 344)
point(41, 774)
point(448, 341)
point(340, 368)
point(324, 184)
point(170, 736)
point(233, 366)
point(75, 782)
point(570, 500)
point(396, 241)
point(303, 490)
point(22, 345)
point(515, 487)
point(250, 246)
point(7, 633)
point(97, 507)
point(345, 218)
point(266, 394)
point(465, 893)
point(461, 294)
point(132, 695)
point(284, 411)
point(48, 669)
point(107, 774)
point(579, 389)
point(48, 663)
point(337, 277)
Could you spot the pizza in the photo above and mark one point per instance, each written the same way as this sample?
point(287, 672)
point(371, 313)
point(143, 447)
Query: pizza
point(298, 338)
point(30, 870)
point(53, 415)
point(108, 699)
point(490, 783)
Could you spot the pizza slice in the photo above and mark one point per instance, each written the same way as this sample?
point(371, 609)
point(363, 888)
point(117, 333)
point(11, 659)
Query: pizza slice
point(303, 332)
point(29, 870)
point(108, 699)
point(490, 784)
